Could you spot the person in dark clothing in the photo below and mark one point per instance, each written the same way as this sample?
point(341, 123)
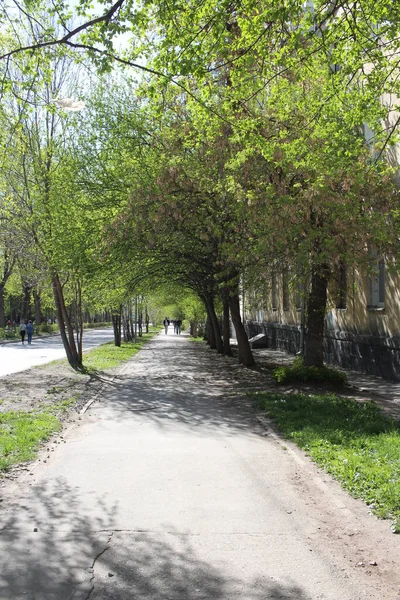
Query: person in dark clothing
point(166, 324)
point(22, 331)
point(29, 331)
point(177, 327)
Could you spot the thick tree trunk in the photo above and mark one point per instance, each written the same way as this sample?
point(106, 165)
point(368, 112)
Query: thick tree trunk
point(226, 328)
point(140, 324)
point(245, 353)
point(116, 321)
point(26, 302)
point(8, 267)
point(315, 319)
point(79, 321)
point(38, 312)
point(215, 325)
point(65, 325)
point(2, 313)
point(210, 335)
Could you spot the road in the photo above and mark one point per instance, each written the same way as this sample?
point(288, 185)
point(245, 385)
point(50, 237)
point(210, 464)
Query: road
point(168, 488)
point(15, 357)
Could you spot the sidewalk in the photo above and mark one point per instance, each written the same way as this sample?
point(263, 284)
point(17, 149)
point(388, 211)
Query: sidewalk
point(167, 488)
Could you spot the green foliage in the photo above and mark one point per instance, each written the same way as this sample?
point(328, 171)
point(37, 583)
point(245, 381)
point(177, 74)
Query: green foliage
point(46, 328)
point(353, 441)
point(8, 334)
point(299, 372)
point(96, 325)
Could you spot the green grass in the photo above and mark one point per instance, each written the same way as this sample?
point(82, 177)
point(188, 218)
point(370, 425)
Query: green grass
point(196, 339)
point(21, 434)
point(354, 442)
point(299, 372)
point(109, 356)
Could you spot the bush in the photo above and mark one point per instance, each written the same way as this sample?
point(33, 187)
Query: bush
point(46, 328)
point(96, 325)
point(8, 333)
point(301, 373)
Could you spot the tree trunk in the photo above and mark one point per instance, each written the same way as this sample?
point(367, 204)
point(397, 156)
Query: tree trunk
point(215, 325)
point(116, 321)
point(210, 335)
point(140, 323)
point(8, 267)
point(315, 319)
point(38, 312)
point(2, 313)
point(65, 325)
point(79, 321)
point(226, 328)
point(26, 302)
point(245, 353)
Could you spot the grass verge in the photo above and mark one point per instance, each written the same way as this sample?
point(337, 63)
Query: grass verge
point(196, 339)
point(109, 356)
point(354, 442)
point(21, 434)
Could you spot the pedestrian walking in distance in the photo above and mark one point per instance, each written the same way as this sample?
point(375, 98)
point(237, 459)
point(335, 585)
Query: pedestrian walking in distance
point(178, 324)
point(29, 332)
point(166, 324)
point(22, 331)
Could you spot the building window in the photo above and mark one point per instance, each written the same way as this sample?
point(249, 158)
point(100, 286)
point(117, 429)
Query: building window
point(376, 284)
point(285, 290)
point(274, 284)
point(341, 281)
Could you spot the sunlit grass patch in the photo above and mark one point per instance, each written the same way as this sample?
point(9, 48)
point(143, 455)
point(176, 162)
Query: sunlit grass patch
point(299, 372)
point(109, 356)
point(353, 441)
point(196, 339)
point(21, 434)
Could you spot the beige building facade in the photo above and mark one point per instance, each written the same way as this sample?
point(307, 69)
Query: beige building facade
point(362, 322)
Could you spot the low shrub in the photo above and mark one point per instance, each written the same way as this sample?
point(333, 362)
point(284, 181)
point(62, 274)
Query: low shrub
point(301, 373)
point(46, 328)
point(96, 325)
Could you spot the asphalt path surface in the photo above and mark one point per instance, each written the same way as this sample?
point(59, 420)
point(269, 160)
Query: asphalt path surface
point(16, 357)
point(168, 488)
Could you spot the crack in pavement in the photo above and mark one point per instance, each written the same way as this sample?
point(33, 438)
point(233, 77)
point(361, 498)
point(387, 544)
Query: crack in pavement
point(91, 569)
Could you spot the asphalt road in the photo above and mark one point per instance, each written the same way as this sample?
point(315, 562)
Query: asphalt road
point(15, 357)
point(169, 489)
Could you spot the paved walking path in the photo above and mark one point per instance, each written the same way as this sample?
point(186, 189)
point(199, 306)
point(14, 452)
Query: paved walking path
point(169, 489)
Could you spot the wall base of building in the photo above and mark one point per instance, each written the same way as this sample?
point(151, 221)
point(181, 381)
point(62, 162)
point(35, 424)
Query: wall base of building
point(365, 353)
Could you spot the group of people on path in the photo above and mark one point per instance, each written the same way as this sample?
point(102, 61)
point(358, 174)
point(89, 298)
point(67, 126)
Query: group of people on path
point(26, 328)
point(177, 325)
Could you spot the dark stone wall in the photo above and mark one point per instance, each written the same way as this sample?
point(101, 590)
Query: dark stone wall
point(365, 353)
point(280, 337)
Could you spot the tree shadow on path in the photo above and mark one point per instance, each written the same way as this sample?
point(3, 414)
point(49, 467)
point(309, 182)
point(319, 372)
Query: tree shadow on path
point(51, 549)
